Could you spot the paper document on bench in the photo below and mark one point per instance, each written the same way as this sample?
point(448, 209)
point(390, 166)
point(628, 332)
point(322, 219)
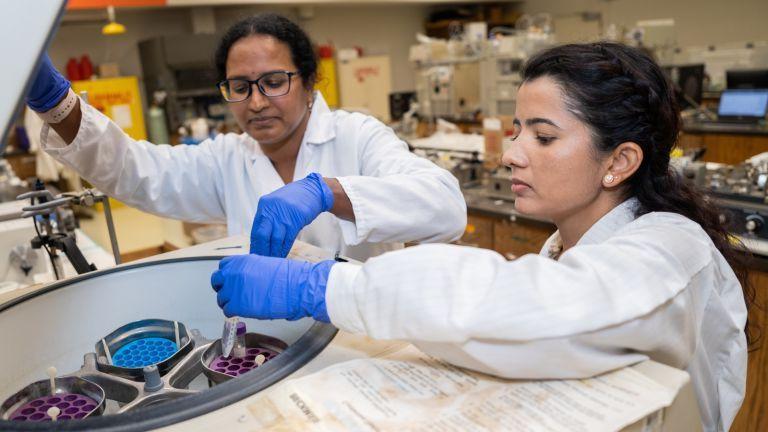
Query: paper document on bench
point(408, 390)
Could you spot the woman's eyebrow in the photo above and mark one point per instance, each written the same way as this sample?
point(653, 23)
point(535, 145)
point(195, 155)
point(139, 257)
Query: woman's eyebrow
point(536, 120)
point(247, 78)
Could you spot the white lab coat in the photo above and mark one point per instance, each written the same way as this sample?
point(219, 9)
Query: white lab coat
point(631, 289)
point(396, 196)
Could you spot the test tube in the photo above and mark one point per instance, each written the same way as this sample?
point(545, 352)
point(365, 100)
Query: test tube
point(239, 350)
point(52, 377)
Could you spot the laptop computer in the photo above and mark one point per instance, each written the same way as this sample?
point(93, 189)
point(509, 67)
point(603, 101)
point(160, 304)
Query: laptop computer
point(743, 106)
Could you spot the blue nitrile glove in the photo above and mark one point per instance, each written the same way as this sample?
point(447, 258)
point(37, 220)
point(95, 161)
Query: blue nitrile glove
point(283, 213)
point(48, 87)
point(262, 287)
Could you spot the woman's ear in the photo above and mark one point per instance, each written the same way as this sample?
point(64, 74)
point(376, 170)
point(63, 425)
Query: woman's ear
point(624, 160)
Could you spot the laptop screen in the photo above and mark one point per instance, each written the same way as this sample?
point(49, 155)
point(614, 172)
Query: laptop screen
point(743, 103)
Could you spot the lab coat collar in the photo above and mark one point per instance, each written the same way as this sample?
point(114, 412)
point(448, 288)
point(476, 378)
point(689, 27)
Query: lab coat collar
point(601, 231)
point(604, 228)
point(321, 126)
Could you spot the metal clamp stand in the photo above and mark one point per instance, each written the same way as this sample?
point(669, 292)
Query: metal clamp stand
point(89, 197)
point(55, 242)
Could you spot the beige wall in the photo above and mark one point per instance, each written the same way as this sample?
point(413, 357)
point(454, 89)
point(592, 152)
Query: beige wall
point(697, 22)
point(74, 40)
point(390, 29)
point(378, 29)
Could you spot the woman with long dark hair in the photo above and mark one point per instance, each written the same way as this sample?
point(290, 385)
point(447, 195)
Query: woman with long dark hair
point(639, 268)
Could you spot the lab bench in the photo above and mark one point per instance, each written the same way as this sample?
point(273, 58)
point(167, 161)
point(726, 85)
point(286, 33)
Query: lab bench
point(725, 143)
point(493, 223)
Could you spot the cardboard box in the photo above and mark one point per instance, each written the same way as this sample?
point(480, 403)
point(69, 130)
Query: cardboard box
point(109, 70)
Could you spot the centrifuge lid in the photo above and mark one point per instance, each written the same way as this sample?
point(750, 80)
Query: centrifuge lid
point(30, 25)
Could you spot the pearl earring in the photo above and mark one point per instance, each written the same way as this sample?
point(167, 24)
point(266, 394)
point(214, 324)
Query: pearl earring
point(608, 178)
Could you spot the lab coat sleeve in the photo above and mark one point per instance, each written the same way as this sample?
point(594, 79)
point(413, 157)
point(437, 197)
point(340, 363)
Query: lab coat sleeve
point(181, 182)
point(592, 311)
point(398, 196)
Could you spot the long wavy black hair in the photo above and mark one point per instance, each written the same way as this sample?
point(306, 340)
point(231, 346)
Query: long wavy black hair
point(623, 96)
point(279, 27)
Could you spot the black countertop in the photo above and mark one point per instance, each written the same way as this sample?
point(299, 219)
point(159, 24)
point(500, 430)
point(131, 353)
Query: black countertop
point(725, 128)
point(481, 202)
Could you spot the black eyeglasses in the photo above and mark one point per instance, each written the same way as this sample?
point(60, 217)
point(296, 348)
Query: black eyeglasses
point(272, 84)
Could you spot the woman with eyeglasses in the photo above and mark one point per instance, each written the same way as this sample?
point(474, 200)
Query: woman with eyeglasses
point(343, 180)
point(640, 266)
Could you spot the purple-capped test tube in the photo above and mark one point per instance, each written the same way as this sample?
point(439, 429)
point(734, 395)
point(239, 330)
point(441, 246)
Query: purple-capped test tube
point(239, 350)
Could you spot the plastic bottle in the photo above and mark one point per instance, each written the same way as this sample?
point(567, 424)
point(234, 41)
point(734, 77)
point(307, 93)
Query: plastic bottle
point(199, 129)
point(327, 83)
point(86, 67)
point(73, 70)
point(158, 128)
point(493, 137)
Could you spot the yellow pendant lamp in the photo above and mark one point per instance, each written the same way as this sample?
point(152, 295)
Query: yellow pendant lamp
point(113, 28)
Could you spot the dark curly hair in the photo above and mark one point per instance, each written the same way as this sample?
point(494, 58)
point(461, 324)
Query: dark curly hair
point(623, 96)
point(280, 28)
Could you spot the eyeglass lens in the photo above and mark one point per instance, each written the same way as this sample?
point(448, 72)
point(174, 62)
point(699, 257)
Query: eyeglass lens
point(271, 85)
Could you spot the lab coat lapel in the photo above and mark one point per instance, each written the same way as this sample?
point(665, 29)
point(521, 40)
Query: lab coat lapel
point(320, 130)
point(263, 173)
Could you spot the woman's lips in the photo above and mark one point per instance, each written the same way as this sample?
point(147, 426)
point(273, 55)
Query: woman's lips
point(262, 121)
point(519, 186)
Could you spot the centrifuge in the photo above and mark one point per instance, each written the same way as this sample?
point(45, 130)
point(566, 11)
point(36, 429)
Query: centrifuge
point(138, 347)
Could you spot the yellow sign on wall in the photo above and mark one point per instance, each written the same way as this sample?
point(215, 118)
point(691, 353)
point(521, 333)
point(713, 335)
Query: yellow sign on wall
point(326, 82)
point(119, 99)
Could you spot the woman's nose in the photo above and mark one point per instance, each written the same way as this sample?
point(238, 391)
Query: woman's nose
point(257, 101)
point(514, 156)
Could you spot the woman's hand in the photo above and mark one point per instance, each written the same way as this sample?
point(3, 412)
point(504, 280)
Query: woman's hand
point(283, 213)
point(271, 288)
point(48, 87)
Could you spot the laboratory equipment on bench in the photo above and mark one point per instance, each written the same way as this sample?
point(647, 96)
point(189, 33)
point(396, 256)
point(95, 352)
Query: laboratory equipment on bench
point(500, 78)
point(464, 77)
point(53, 235)
point(740, 193)
point(449, 90)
